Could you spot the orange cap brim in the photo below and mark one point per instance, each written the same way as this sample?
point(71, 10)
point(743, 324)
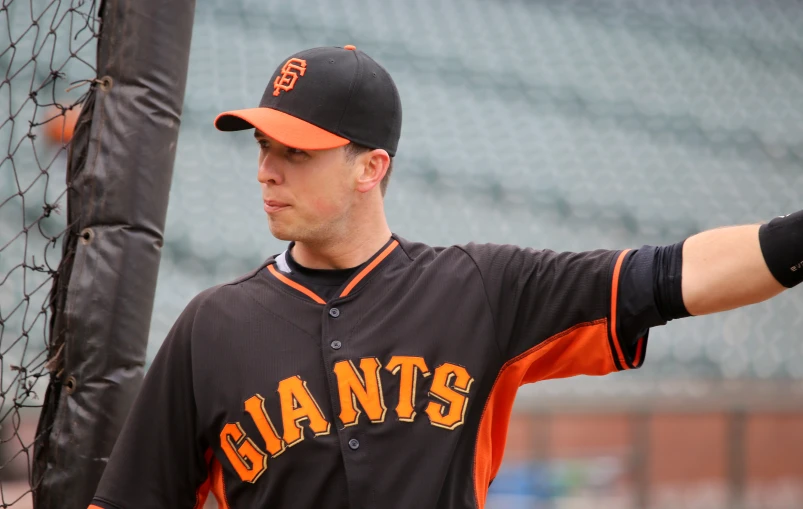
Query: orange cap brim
point(284, 128)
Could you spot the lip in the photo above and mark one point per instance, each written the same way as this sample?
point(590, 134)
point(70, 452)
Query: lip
point(272, 206)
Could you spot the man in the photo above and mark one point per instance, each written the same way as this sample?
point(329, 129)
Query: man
point(360, 370)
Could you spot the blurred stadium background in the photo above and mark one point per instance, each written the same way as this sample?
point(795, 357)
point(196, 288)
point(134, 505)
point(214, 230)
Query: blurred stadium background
point(564, 125)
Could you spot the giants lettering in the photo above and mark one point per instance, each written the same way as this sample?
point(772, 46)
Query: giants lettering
point(450, 385)
point(299, 405)
point(359, 390)
point(367, 390)
point(243, 454)
point(255, 406)
point(409, 368)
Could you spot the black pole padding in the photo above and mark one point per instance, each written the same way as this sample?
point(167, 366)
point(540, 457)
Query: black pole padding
point(120, 167)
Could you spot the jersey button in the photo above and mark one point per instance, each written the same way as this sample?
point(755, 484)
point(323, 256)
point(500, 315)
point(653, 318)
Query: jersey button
point(334, 312)
point(354, 444)
point(336, 345)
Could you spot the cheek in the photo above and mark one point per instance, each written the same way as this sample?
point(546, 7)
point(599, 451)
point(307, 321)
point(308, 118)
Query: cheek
point(326, 205)
point(329, 197)
point(320, 189)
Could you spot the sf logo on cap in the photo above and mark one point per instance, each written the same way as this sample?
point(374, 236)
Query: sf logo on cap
point(290, 72)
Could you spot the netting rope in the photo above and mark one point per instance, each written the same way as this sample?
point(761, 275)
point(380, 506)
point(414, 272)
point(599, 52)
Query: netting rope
point(47, 51)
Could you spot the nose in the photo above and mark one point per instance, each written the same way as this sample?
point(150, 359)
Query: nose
point(269, 171)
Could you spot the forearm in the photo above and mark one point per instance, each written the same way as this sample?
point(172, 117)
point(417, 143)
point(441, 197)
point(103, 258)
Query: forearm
point(725, 269)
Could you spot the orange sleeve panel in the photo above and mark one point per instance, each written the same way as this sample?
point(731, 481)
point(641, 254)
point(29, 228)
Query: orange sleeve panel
point(583, 348)
point(203, 490)
point(218, 486)
point(214, 484)
point(588, 348)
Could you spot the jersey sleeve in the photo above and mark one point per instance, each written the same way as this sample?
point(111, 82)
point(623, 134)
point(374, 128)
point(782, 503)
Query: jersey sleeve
point(558, 311)
point(159, 459)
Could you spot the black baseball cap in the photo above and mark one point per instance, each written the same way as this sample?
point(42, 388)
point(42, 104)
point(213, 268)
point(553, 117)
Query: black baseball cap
point(324, 98)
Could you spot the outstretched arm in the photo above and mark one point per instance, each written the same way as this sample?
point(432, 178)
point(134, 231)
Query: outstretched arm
point(732, 267)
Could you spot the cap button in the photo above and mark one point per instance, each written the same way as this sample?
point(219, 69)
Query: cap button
point(349, 47)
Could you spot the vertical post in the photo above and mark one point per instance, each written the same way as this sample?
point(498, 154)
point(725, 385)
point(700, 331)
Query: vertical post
point(737, 433)
point(640, 427)
point(541, 430)
point(119, 173)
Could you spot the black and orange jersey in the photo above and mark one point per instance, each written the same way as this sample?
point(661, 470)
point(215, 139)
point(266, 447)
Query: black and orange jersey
point(395, 393)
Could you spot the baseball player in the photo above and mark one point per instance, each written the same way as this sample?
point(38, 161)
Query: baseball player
point(358, 369)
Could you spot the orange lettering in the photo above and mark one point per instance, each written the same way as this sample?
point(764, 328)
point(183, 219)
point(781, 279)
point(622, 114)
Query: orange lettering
point(299, 405)
point(409, 368)
point(244, 455)
point(368, 391)
point(255, 406)
point(450, 385)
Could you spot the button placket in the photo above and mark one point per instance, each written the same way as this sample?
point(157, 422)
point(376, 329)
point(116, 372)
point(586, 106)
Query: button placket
point(335, 332)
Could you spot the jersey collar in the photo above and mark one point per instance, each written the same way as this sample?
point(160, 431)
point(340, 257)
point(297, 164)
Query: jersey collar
point(280, 270)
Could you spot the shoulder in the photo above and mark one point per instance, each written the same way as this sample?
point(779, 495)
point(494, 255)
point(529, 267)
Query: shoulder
point(418, 251)
point(476, 254)
point(507, 261)
point(533, 254)
point(485, 255)
point(476, 249)
point(224, 295)
point(423, 255)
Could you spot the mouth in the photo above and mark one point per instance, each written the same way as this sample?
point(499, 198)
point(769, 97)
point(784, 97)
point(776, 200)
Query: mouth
point(272, 206)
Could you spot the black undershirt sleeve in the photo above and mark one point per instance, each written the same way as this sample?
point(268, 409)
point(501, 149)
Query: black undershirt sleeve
point(666, 281)
point(650, 292)
point(782, 246)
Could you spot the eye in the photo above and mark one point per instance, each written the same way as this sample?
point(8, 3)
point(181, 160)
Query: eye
point(262, 143)
point(294, 152)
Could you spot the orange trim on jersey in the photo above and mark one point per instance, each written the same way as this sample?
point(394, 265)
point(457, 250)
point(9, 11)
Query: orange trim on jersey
point(371, 266)
point(614, 295)
point(219, 485)
point(93, 506)
point(203, 490)
point(582, 349)
point(639, 350)
point(301, 288)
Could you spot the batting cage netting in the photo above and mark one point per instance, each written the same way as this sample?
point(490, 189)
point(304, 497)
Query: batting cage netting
point(48, 56)
point(90, 104)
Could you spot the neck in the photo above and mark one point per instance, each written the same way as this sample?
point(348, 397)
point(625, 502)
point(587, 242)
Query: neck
point(343, 252)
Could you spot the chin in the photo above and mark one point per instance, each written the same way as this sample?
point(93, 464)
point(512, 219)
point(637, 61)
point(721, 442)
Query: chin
point(281, 231)
point(284, 230)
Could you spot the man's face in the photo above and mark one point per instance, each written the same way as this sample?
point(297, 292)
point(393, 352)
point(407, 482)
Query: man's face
point(307, 194)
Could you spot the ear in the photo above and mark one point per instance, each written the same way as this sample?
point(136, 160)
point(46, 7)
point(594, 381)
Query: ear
point(372, 168)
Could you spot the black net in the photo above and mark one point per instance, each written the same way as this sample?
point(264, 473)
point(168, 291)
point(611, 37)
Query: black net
point(47, 56)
